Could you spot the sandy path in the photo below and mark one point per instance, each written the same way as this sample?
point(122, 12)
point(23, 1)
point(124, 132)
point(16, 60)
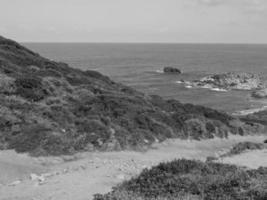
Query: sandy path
point(79, 177)
point(251, 159)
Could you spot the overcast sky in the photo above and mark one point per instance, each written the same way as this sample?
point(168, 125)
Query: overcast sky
point(219, 21)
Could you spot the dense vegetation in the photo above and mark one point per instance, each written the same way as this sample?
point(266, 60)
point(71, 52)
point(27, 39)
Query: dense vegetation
point(258, 117)
point(47, 107)
point(245, 146)
point(192, 180)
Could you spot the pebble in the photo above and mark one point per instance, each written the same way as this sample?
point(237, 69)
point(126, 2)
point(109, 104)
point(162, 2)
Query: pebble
point(35, 177)
point(47, 175)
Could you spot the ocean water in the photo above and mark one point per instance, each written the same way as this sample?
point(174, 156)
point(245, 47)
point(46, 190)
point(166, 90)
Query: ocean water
point(140, 65)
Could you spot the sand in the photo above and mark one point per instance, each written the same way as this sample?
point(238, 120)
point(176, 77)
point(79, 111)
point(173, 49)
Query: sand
point(80, 176)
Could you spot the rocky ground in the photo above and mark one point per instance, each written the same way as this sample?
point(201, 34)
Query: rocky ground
point(84, 174)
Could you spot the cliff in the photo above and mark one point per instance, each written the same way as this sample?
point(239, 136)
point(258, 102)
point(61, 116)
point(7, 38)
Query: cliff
point(47, 107)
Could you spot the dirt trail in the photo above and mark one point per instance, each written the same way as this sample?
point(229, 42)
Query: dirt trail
point(79, 177)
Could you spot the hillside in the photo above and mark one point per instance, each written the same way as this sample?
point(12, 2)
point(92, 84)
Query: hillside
point(48, 108)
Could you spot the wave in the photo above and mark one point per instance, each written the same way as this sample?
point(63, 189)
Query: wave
point(160, 71)
point(192, 85)
point(189, 86)
point(219, 89)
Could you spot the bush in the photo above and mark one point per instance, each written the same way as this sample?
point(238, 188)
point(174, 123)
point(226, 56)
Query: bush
point(96, 75)
point(195, 180)
point(37, 138)
point(29, 138)
point(6, 84)
point(244, 146)
point(30, 88)
point(92, 131)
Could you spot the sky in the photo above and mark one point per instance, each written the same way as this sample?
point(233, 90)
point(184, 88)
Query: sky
point(163, 21)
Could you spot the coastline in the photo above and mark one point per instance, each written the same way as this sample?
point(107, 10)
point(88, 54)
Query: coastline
point(249, 111)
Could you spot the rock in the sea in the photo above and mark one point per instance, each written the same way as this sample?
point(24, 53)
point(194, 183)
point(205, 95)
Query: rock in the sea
point(171, 70)
point(231, 80)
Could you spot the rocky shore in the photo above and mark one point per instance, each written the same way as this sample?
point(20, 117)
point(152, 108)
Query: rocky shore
point(230, 81)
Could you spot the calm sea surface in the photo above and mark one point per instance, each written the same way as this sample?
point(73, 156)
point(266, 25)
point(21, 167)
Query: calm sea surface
point(138, 65)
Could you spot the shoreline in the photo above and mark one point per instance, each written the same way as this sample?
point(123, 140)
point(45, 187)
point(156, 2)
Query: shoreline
point(243, 112)
point(249, 111)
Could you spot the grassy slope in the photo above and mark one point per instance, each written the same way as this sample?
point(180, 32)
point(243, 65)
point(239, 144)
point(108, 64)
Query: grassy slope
point(47, 107)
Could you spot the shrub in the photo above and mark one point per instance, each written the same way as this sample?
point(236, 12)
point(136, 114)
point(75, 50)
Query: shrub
point(92, 131)
point(30, 88)
point(29, 138)
point(33, 138)
point(6, 84)
point(244, 146)
point(195, 128)
point(210, 127)
point(195, 180)
point(96, 75)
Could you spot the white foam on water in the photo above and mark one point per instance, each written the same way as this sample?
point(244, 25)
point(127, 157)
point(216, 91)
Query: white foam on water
point(191, 85)
point(206, 87)
point(219, 89)
point(159, 71)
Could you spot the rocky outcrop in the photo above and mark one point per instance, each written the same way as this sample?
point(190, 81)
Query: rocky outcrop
point(231, 80)
point(171, 70)
point(47, 107)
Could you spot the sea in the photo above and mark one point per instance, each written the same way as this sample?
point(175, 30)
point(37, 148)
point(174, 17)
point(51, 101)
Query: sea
point(140, 66)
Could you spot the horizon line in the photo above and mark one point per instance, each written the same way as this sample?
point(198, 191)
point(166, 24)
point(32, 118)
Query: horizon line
point(87, 42)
